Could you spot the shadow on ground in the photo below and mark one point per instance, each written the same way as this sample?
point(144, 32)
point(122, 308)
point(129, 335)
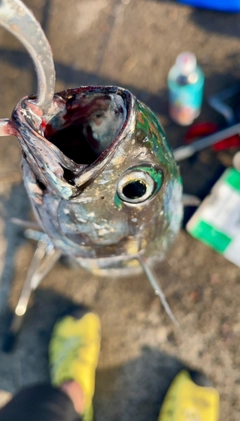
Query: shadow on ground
point(216, 22)
point(16, 206)
point(142, 382)
point(73, 77)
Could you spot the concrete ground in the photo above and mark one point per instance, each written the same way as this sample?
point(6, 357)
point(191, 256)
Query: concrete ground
point(131, 44)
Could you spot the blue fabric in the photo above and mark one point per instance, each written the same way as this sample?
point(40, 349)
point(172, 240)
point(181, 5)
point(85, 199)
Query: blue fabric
point(223, 5)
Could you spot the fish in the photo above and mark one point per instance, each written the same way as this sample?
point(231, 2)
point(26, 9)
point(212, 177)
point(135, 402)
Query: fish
point(100, 175)
point(101, 178)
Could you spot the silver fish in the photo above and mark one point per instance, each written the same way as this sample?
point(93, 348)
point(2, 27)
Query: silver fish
point(101, 177)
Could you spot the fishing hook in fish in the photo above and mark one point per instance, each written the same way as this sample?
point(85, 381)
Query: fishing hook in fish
point(20, 21)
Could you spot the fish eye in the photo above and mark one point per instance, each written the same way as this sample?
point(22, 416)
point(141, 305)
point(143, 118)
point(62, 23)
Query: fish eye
point(139, 184)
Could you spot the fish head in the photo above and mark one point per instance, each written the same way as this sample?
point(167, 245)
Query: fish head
point(108, 186)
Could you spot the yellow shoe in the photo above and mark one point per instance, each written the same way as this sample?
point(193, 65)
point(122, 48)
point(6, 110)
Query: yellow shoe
point(185, 401)
point(73, 353)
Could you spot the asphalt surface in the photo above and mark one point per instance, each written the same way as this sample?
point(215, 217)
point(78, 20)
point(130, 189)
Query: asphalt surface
point(130, 44)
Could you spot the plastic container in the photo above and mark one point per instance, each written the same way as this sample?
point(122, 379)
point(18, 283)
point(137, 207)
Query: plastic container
point(185, 84)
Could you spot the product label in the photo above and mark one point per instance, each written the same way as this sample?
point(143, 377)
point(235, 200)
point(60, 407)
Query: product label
point(217, 220)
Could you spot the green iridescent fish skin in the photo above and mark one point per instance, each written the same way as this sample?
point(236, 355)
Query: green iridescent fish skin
point(125, 201)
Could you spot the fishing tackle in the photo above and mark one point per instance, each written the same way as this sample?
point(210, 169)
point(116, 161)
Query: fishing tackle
point(98, 170)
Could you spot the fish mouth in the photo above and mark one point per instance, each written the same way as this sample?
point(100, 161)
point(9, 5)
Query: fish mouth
point(87, 128)
point(87, 125)
point(77, 137)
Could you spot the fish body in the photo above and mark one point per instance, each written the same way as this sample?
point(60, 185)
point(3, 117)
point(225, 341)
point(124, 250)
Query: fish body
point(101, 177)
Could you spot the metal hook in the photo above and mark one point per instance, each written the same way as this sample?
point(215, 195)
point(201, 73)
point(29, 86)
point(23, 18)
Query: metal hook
point(19, 20)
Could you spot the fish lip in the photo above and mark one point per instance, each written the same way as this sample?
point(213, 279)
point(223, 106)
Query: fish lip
point(40, 153)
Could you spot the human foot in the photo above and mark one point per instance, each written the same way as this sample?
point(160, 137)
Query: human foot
point(73, 356)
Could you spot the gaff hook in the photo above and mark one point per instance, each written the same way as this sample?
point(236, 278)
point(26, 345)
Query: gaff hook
point(19, 20)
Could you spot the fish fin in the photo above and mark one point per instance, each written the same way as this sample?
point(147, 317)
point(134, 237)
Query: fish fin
point(190, 200)
point(43, 260)
point(25, 224)
point(153, 279)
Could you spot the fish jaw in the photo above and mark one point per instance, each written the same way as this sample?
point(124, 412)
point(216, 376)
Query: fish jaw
point(100, 114)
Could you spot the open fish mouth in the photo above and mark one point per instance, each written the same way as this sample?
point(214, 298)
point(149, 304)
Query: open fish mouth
point(76, 138)
point(88, 125)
